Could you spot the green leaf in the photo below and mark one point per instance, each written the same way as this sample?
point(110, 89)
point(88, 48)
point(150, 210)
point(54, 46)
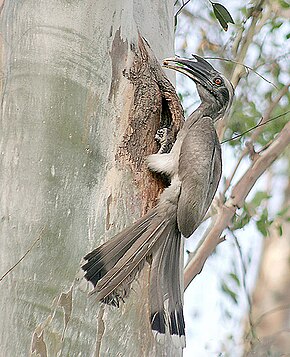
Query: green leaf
point(228, 314)
point(283, 211)
point(222, 15)
point(259, 197)
point(235, 278)
point(264, 223)
point(284, 4)
point(280, 230)
point(277, 25)
point(241, 221)
point(262, 228)
point(229, 292)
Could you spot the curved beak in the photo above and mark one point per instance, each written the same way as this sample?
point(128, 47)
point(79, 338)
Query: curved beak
point(197, 68)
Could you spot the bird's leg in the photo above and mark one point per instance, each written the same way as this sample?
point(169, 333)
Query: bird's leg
point(165, 138)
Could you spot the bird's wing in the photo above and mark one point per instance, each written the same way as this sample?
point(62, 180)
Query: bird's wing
point(199, 171)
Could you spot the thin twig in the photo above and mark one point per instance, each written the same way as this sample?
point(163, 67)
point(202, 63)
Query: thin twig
point(244, 65)
point(230, 179)
point(24, 255)
point(181, 7)
point(269, 312)
point(271, 107)
point(261, 122)
point(244, 284)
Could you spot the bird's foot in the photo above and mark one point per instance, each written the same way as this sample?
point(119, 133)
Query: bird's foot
point(165, 139)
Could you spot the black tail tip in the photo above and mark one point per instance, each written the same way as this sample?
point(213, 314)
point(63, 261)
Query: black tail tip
point(158, 323)
point(94, 268)
point(176, 327)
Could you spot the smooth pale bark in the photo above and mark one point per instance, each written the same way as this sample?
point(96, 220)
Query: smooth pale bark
point(68, 180)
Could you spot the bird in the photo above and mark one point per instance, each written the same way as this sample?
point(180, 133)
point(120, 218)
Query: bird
point(193, 166)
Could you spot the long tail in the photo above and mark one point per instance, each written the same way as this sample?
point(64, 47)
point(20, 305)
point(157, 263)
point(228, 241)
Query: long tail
point(106, 258)
point(113, 266)
point(165, 294)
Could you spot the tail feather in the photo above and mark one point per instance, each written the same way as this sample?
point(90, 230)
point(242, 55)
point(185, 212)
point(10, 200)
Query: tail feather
point(167, 312)
point(113, 266)
point(157, 311)
point(175, 305)
point(103, 259)
point(127, 267)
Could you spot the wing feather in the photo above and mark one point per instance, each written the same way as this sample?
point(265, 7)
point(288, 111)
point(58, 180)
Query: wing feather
point(199, 171)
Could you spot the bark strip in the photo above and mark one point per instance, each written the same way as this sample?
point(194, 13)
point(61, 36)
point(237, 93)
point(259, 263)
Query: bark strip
point(155, 105)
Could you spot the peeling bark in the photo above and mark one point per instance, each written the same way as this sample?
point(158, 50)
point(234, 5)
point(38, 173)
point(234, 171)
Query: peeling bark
point(38, 347)
point(154, 105)
point(118, 56)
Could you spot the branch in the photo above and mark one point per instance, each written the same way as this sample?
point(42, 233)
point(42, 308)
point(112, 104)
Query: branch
point(240, 48)
point(264, 120)
point(245, 42)
point(248, 68)
point(269, 312)
point(261, 123)
point(181, 7)
point(228, 209)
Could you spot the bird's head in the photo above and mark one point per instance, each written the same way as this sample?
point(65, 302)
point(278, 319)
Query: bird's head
point(214, 89)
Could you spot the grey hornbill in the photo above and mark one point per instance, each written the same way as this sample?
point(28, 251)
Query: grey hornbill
point(194, 168)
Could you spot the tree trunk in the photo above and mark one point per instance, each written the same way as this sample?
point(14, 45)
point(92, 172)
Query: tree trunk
point(82, 97)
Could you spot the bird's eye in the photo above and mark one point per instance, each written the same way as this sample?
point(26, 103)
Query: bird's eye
point(218, 81)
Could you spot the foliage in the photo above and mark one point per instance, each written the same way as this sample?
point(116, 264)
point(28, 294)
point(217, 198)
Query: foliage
point(258, 41)
point(219, 11)
point(222, 14)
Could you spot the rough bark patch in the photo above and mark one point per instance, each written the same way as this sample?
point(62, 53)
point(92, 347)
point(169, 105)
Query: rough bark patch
point(119, 51)
point(155, 105)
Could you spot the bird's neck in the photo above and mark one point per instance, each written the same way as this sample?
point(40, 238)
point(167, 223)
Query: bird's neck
point(210, 109)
